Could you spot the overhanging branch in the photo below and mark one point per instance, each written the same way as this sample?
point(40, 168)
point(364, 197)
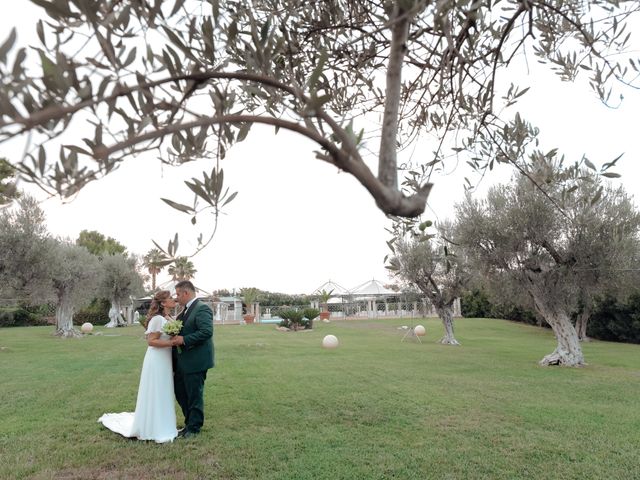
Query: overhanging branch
point(390, 200)
point(103, 152)
point(57, 112)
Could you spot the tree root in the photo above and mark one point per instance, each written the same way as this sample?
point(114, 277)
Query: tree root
point(562, 360)
point(73, 333)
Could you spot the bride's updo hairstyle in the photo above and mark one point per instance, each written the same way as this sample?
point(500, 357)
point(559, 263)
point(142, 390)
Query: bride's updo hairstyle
point(156, 304)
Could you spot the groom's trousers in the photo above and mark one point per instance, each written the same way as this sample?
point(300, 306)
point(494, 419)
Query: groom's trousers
point(189, 390)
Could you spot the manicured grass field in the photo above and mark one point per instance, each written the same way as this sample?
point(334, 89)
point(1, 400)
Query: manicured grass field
point(280, 407)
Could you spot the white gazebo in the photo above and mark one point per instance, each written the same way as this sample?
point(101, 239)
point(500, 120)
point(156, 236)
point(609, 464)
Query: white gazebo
point(373, 293)
point(338, 293)
point(331, 286)
point(373, 288)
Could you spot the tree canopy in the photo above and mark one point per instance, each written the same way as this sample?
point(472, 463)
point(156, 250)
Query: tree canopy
point(8, 190)
point(557, 243)
point(360, 80)
point(75, 276)
point(39, 269)
point(431, 266)
point(98, 244)
point(25, 253)
point(36, 268)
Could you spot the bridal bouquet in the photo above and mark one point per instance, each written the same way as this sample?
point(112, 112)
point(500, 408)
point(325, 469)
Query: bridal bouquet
point(172, 327)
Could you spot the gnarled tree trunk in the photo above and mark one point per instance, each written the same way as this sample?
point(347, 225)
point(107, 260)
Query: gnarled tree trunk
point(568, 351)
point(64, 318)
point(446, 315)
point(581, 325)
point(115, 318)
point(118, 307)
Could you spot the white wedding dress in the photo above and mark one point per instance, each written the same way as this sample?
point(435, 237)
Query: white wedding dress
point(155, 415)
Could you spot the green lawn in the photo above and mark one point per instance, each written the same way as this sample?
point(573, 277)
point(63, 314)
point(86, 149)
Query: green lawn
point(280, 407)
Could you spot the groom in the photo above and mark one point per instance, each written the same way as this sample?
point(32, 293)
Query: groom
point(190, 365)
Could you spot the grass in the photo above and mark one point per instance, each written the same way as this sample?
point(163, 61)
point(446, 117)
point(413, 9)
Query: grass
point(278, 406)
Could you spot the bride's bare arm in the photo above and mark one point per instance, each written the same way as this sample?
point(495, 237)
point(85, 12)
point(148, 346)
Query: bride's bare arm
point(153, 339)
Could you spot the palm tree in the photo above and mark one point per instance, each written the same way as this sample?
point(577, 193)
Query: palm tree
point(182, 269)
point(154, 261)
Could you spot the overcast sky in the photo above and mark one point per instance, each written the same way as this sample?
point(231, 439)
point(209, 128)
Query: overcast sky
point(298, 222)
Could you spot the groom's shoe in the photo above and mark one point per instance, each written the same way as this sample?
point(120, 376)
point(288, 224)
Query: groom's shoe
point(182, 432)
point(189, 434)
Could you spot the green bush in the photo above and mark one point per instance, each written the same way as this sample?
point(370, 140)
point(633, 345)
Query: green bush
point(612, 320)
point(291, 318)
point(516, 313)
point(272, 299)
point(20, 317)
point(616, 321)
point(97, 313)
point(297, 319)
point(309, 314)
point(476, 304)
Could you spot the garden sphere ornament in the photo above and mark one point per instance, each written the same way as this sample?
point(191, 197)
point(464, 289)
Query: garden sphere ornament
point(86, 327)
point(420, 331)
point(330, 341)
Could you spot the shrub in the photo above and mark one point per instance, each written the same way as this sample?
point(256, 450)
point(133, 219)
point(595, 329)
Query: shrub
point(309, 314)
point(612, 320)
point(509, 311)
point(616, 321)
point(97, 313)
point(291, 318)
point(476, 304)
point(282, 299)
point(20, 317)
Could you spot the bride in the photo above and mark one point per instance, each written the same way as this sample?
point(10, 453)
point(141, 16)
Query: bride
point(155, 415)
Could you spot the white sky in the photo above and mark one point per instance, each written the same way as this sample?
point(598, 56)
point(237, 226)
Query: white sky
point(297, 222)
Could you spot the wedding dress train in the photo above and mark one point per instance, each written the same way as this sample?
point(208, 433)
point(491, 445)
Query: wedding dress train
point(155, 415)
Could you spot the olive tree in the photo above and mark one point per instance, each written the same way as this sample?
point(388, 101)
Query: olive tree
point(119, 279)
point(25, 251)
point(610, 238)
point(429, 264)
point(75, 276)
point(359, 80)
point(40, 269)
point(560, 241)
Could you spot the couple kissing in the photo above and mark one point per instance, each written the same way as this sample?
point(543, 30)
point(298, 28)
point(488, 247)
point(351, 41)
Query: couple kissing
point(172, 366)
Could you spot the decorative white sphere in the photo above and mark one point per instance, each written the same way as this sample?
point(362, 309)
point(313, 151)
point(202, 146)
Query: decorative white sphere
point(86, 327)
point(330, 341)
point(420, 331)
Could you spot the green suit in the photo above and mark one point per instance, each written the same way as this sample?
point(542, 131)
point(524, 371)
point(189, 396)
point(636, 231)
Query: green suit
point(190, 365)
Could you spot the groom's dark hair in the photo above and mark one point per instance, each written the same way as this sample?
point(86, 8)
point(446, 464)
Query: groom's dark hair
point(186, 285)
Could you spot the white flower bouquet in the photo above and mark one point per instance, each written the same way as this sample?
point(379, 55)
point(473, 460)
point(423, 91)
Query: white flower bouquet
point(172, 327)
